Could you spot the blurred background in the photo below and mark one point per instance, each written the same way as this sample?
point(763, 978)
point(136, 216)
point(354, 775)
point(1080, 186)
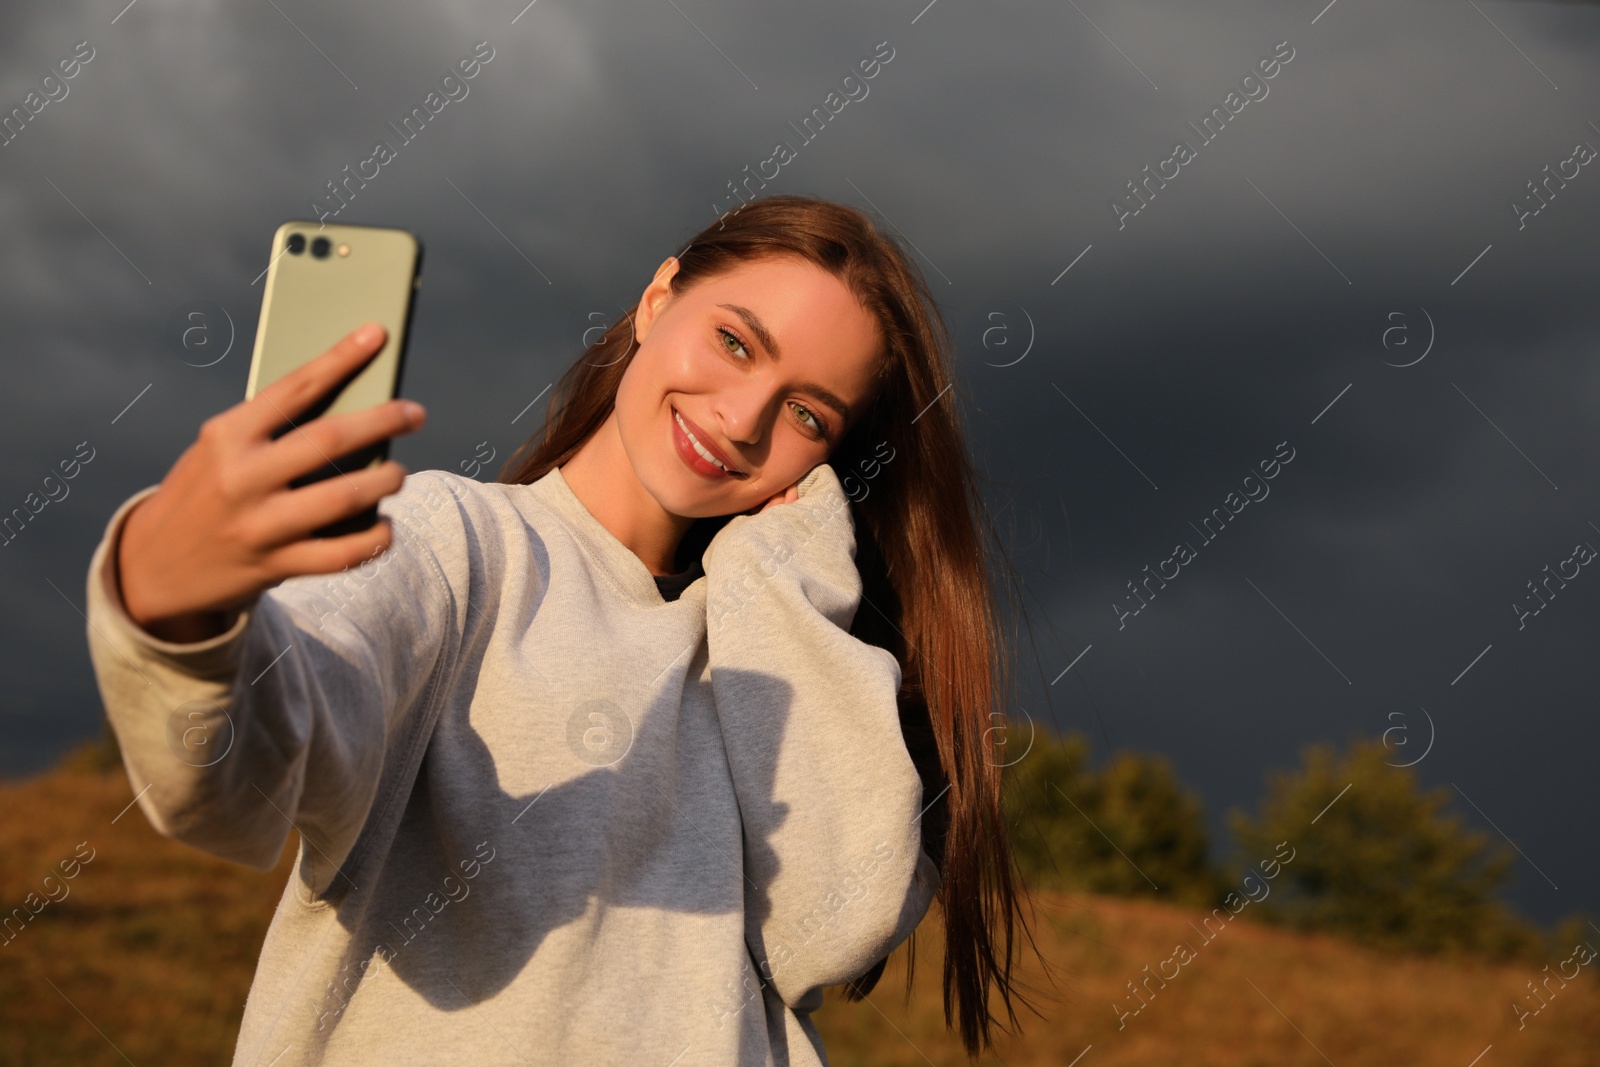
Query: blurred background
point(1178, 246)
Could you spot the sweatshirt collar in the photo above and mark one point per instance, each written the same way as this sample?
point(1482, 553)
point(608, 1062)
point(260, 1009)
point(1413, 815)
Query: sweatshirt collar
point(616, 560)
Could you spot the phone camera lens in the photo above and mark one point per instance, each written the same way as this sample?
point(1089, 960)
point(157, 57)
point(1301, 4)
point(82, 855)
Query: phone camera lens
point(319, 247)
point(297, 243)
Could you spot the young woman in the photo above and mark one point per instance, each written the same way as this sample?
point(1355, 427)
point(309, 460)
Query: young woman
point(624, 757)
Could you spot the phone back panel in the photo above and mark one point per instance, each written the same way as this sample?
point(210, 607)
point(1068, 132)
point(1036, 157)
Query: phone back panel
point(310, 303)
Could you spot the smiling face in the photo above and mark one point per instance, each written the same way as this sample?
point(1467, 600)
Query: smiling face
point(752, 367)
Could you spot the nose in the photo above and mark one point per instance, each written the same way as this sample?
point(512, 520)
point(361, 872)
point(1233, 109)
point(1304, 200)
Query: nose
point(745, 411)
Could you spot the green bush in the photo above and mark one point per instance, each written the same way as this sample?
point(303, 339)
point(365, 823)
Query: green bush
point(1128, 828)
point(1384, 864)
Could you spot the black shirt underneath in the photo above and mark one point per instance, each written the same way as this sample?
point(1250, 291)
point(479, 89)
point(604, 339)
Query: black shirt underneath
point(671, 585)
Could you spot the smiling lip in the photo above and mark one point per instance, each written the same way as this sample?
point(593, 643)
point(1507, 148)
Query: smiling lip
point(692, 458)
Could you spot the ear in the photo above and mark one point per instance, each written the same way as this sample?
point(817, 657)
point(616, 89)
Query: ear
point(655, 297)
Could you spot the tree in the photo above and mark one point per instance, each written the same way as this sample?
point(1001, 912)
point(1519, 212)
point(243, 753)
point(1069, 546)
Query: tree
point(1129, 828)
point(1381, 861)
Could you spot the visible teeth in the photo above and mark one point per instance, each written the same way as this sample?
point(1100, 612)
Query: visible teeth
point(699, 448)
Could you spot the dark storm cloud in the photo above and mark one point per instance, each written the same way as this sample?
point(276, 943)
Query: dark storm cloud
point(1254, 287)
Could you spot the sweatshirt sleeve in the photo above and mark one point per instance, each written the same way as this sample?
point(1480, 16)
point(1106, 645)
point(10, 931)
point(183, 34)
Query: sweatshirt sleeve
point(829, 798)
point(290, 717)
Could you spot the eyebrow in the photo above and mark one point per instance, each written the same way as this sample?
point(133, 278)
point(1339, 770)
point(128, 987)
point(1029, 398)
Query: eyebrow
point(759, 328)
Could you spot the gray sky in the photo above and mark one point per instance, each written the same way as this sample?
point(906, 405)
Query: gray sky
point(1370, 189)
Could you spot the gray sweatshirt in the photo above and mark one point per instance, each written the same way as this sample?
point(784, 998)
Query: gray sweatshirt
point(545, 815)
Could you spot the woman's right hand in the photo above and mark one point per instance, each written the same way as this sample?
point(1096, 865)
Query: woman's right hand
point(224, 525)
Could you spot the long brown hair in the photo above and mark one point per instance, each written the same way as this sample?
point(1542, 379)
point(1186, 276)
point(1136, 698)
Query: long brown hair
point(926, 591)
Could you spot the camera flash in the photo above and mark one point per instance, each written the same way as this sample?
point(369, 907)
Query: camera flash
point(344, 250)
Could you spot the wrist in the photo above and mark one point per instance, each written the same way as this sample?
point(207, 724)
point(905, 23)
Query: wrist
point(178, 628)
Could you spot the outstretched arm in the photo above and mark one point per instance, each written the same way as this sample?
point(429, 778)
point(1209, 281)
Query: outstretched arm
point(290, 717)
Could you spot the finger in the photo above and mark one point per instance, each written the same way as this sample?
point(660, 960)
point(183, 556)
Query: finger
point(292, 515)
point(287, 398)
point(315, 444)
point(328, 555)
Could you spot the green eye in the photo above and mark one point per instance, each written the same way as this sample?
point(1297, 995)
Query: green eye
point(729, 335)
point(815, 424)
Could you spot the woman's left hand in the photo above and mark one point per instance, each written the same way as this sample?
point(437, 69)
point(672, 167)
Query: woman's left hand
point(788, 496)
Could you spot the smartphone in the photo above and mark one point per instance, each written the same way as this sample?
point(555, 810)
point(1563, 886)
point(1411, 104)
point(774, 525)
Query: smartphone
point(323, 281)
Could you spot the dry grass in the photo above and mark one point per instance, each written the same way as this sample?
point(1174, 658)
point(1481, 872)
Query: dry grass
point(151, 952)
point(156, 944)
point(1330, 1001)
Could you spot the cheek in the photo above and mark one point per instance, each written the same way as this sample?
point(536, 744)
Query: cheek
point(792, 457)
point(662, 366)
point(624, 405)
point(639, 429)
point(640, 397)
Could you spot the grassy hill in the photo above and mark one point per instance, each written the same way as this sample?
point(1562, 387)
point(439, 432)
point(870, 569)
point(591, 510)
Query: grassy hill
point(148, 955)
point(1256, 996)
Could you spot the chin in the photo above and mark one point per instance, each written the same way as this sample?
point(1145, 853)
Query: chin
point(681, 492)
